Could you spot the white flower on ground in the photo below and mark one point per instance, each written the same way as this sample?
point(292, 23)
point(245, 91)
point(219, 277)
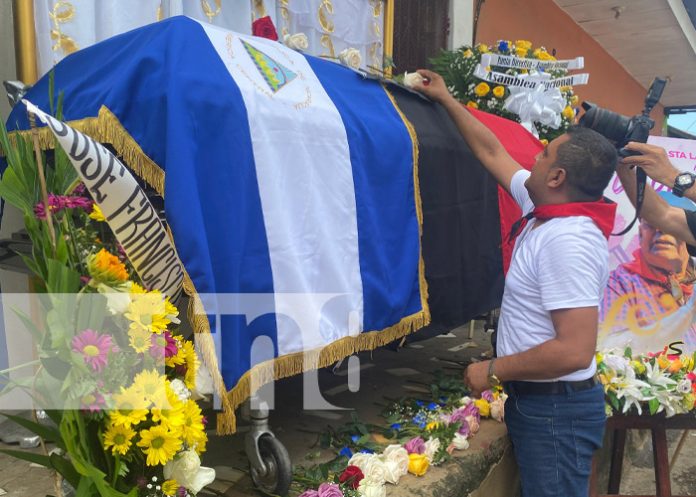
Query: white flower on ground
point(370, 488)
point(395, 459)
point(431, 448)
point(460, 442)
point(371, 465)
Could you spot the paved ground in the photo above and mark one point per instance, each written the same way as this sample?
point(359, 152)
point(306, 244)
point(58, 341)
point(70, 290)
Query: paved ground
point(385, 374)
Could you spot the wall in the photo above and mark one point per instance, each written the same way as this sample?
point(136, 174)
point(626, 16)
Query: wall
point(545, 23)
point(461, 23)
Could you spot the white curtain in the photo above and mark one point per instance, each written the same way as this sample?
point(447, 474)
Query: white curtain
point(64, 26)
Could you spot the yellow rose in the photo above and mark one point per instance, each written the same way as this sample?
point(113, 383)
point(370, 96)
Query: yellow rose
point(546, 56)
point(523, 43)
point(472, 104)
point(468, 53)
point(544, 141)
point(574, 100)
point(521, 51)
point(484, 407)
point(482, 89)
point(569, 113)
point(499, 91)
point(483, 48)
point(418, 464)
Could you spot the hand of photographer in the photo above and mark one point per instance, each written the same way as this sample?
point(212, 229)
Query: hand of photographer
point(653, 161)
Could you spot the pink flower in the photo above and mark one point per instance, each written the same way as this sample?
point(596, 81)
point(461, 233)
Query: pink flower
point(487, 395)
point(93, 347)
point(415, 446)
point(329, 490)
point(163, 346)
point(57, 203)
point(473, 423)
point(93, 402)
point(309, 493)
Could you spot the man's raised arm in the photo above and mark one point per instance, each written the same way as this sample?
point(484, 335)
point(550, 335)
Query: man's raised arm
point(480, 139)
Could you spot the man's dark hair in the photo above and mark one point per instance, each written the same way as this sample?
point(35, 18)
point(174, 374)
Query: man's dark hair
point(589, 161)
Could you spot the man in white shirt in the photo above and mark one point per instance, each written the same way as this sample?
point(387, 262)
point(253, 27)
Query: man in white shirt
point(547, 331)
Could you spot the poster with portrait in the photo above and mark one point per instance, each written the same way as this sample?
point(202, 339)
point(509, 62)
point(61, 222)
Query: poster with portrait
point(649, 300)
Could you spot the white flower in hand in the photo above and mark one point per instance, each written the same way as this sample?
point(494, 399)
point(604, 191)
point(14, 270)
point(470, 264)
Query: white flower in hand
point(298, 41)
point(350, 57)
point(412, 79)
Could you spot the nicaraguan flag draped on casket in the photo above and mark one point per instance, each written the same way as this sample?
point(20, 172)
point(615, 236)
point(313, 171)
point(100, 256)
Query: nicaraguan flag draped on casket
point(283, 175)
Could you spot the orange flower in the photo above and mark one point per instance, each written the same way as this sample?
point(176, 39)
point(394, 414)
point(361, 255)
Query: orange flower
point(107, 268)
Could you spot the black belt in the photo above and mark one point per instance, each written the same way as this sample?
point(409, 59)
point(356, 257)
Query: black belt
point(547, 387)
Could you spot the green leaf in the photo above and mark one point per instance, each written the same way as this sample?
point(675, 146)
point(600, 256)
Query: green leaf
point(628, 352)
point(48, 433)
point(654, 405)
point(61, 279)
point(66, 469)
point(28, 456)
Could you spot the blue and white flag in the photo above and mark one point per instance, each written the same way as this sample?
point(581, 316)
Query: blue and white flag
point(284, 176)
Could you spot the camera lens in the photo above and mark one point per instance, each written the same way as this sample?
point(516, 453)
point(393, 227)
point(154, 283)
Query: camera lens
point(611, 125)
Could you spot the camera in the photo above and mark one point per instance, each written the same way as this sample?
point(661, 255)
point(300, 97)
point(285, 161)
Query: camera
point(620, 129)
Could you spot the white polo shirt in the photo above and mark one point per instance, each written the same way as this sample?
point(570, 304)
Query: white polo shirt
point(562, 264)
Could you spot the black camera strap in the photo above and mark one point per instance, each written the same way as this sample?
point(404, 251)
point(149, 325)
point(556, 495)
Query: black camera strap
point(641, 179)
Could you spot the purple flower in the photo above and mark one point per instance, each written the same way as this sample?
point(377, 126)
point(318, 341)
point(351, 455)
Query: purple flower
point(488, 396)
point(415, 446)
point(329, 490)
point(93, 402)
point(464, 429)
point(472, 410)
point(309, 493)
point(57, 203)
point(182, 492)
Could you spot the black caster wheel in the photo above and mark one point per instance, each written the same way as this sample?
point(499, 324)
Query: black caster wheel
point(277, 479)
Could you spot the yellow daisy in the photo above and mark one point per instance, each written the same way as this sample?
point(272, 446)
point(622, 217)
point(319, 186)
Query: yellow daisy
point(152, 386)
point(193, 430)
point(97, 214)
point(119, 438)
point(148, 311)
point(130, 408)
point(159, 444)
point(191, 364)
point(140, 340)
point(169, 488)
point(170, 414)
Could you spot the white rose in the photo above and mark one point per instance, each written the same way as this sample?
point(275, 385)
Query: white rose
point(498, 409)
point(460, 442)
point(360, 460)
point(392, 472)
point(117, 299)
point(186, 469)
point(297, 41)
point(375, 470)
point(431, 448)
point(412, 79)
point(397, 455)
point(370, 488)
point(350, 57)
point(179, 388)
point(465, 401)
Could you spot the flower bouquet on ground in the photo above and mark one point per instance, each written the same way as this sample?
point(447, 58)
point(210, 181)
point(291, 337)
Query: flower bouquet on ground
point(417, 434)
point(458, 68)
point(647, 383)
point(114, 375)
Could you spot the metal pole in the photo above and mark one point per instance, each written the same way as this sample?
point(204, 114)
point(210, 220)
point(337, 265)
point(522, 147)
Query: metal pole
point(25, 41)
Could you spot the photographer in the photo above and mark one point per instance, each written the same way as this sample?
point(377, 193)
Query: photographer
point(547, 331)
point(656, 211)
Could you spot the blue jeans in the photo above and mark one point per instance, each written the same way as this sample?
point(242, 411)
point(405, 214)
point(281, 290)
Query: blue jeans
point(554, 438)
